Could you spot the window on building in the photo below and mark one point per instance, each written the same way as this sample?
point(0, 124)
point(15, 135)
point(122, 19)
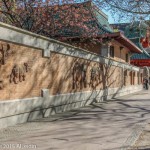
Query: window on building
point(111, 51)
point(127, 58)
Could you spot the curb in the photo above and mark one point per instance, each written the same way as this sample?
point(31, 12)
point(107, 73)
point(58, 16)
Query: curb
point(138, 129)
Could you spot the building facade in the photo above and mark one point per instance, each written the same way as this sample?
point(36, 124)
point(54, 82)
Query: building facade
point(139, 34)
point(87, 27)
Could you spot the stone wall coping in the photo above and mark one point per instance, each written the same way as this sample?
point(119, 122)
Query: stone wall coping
point(39, 36)
point(47, 44)
point(19, 100)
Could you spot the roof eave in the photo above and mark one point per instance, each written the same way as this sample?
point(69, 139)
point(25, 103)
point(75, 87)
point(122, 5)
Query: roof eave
point(118, 36)
point(129, 44)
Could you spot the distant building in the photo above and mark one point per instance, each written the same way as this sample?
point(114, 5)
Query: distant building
point(139, 34)
point(84, 25)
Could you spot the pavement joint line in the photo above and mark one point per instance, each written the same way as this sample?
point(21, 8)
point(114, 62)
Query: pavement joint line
point(141, 138)
point(138, 130)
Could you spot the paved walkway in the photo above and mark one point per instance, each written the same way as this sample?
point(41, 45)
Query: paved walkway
point(112, 125)
point(143, 142)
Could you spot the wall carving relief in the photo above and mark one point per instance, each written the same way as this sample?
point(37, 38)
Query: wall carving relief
point(125, 77)
point(4, 52)
point(18, 73)
point(79, 75)
point(95, 75)
point(1, 84)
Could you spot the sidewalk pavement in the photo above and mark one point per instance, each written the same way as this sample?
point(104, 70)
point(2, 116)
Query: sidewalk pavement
point(117, 124)
point(143, 142)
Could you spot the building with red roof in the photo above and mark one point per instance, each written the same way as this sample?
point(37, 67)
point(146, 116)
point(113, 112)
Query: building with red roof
point(139, 33)
point(85, 25)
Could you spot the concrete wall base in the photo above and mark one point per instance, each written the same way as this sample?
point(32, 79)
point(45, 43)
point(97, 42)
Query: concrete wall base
point(24, 110)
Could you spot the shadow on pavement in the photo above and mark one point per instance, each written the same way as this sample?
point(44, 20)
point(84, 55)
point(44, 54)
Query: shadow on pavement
point(141, 149)
point(106, 125)
point(122, 109)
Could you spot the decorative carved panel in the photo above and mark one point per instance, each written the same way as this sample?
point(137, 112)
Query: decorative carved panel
point(18, 73)
point(4, 52)
point(79, 75)
point(126, 73)
point(95, 75)
point(1, 84)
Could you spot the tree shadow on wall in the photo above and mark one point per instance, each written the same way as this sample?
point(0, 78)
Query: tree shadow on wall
point(78, 76)
point(96, 76)
point(108, 80)
point(41, 112)
point(85, 76)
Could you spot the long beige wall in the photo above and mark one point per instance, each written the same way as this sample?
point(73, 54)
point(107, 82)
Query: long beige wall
point(30, 63)
point(25, 73)
point(41, 76)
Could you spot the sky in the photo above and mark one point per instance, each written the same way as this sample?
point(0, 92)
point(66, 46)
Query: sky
point(111, 20)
